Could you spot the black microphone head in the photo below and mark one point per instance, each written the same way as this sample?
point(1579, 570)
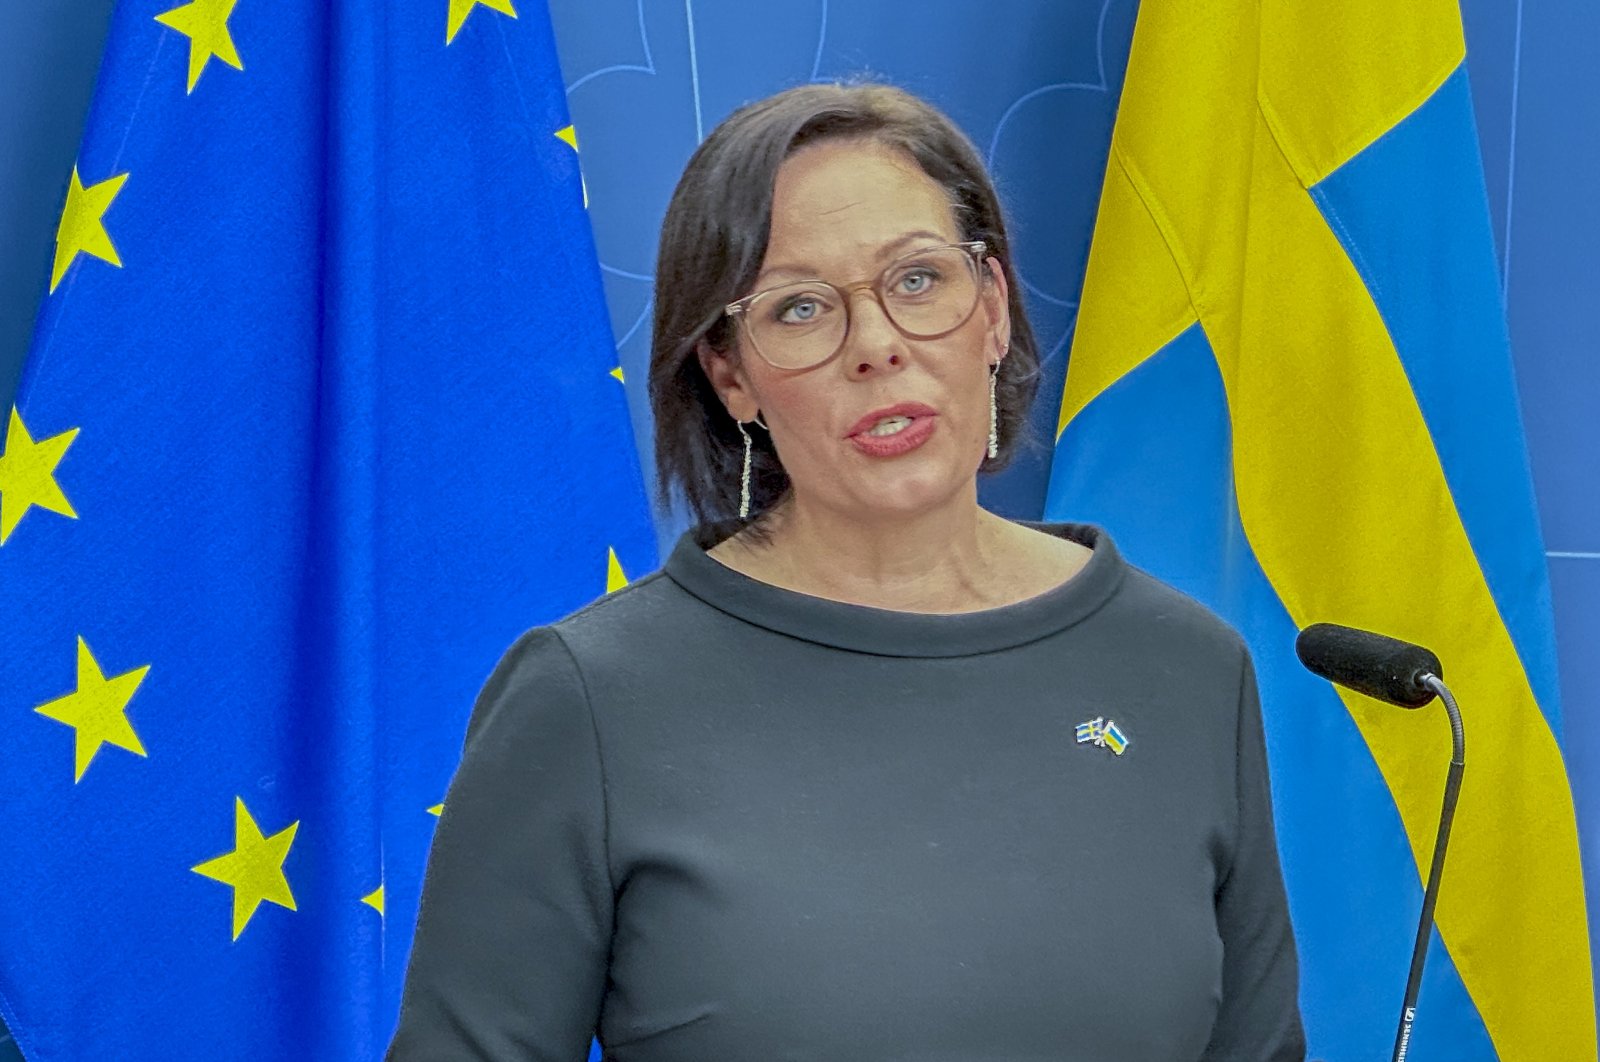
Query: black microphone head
point(1373, 664)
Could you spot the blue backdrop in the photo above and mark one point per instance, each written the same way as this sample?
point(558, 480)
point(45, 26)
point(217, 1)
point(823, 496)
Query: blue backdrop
point(1035, 84)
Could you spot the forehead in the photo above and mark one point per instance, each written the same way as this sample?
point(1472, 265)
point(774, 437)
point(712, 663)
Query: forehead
point(841, 201)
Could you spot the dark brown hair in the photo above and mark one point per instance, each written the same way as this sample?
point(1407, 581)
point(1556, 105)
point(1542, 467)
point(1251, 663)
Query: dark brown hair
point(715, 236)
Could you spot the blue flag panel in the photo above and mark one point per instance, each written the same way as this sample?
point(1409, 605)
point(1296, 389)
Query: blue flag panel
point(1291, 394)
point(321, 411)
point(1152, 458)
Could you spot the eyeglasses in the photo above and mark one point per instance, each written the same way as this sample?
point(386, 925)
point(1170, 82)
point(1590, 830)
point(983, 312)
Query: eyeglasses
point(926, 294)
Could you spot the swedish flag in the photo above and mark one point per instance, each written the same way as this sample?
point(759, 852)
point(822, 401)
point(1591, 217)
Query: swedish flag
point(1292, 338)
point(321, 411)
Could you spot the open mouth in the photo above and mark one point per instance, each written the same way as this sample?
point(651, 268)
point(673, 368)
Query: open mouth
point(894, 430)
point(889, 426)
point(888, 421)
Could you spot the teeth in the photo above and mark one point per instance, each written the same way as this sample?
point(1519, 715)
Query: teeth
point(890, 426)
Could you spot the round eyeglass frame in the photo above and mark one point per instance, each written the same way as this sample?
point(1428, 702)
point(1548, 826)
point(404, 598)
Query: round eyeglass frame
point(976, 250)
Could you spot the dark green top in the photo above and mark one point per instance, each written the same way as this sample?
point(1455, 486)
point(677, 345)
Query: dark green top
point(710, 820)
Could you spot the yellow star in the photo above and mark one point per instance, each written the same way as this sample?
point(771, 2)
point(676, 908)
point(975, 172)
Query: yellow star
point(82, 225)
point(615, 579)
point(460, 9)
point(28, 474)
point(568, 135)
point(436, 810)
point(374, 899)
point(617, 375)
point(97, 710)
point(205, 23)
point(254, 868)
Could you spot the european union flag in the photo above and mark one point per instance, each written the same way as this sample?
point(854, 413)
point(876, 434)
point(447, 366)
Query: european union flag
point(321, 411)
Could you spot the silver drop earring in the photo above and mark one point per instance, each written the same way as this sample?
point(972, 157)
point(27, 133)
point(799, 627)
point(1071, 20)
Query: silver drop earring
point(994, 415)
point(744, 479)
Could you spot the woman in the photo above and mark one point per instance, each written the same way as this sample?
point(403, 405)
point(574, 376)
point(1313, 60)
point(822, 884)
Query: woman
point(866, 772)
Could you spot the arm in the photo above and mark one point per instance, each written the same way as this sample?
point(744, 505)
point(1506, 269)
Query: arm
point(509, 961)
point(1259, 1020)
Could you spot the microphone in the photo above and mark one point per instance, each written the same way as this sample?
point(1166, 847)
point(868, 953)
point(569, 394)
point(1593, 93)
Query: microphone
point(1380, 667)
point(1409, 676)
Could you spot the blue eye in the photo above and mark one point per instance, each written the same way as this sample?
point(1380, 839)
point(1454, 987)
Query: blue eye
point(918, 280)
point(799, 310)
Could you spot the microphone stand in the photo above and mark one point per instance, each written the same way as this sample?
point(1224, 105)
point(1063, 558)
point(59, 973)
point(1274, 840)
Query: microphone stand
point(1430, 896)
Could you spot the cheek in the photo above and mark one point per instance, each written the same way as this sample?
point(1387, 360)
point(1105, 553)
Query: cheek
point(966, 379)
point(800, 415)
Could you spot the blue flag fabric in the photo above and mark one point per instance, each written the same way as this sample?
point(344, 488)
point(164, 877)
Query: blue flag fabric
point(1291, 394)
point(321, 411)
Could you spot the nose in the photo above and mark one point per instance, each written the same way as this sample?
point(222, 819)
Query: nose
point(873, 342)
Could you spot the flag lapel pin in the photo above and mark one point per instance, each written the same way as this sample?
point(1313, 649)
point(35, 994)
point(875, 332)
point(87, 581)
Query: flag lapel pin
point(1103, 733)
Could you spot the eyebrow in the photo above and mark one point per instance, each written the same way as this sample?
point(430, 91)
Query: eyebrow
point(884, 253)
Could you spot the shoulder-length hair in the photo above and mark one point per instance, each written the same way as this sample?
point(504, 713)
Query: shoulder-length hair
point(713, 241)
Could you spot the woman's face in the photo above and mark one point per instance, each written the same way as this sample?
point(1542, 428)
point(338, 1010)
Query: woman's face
point(842, 211)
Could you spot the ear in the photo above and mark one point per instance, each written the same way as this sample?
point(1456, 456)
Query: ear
point(997, 307)
point(727, 376)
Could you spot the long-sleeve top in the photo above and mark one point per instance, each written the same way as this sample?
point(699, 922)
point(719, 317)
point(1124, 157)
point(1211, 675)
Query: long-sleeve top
point(709, 819)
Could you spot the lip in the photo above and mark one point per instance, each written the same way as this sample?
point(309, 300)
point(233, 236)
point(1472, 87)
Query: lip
point(913, 435)
point(914, 410)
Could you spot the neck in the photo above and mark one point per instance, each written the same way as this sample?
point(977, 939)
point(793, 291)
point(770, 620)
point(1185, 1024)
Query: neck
point(945, 559)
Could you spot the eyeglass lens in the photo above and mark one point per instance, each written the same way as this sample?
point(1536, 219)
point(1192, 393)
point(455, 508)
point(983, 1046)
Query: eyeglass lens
point(926, 294)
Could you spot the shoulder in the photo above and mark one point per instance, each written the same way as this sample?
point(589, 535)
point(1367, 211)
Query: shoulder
point(628, 615)
point(1173, 614)
point(552, 652)
point(1148, 622)
point(534, 696)
point(1138, 606)
point(643, 627)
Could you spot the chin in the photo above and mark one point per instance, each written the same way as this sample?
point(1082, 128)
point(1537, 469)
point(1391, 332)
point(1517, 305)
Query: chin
point(908, 492)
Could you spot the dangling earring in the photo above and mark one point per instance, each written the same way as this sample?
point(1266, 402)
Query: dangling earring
point(744, 478)
point(994, 415)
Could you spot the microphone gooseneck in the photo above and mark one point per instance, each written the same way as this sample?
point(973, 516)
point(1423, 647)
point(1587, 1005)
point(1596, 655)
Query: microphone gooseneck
point(1409, 676)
